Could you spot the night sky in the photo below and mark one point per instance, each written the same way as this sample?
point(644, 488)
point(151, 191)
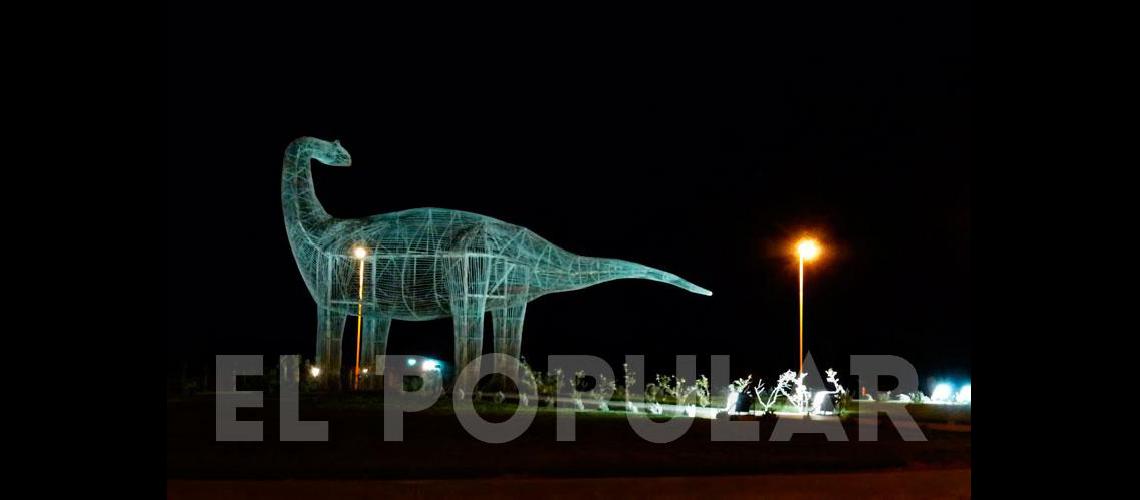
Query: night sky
point(701, 156)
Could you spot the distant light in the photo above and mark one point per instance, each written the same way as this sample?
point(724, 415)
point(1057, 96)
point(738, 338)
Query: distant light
point(411, 361)
point(359, 252)
point(942, 393)
point(817, 401)
point(730, 403)
point(364, 370)
point(430, 365)
point(963, 395)
point(315, 372)
point(807, 249)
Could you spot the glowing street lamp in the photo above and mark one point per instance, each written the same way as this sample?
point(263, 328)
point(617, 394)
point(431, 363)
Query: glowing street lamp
point(360, 253)
point(807, 249)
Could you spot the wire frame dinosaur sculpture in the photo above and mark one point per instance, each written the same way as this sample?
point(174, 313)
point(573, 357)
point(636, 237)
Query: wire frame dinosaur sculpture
point(423, 264)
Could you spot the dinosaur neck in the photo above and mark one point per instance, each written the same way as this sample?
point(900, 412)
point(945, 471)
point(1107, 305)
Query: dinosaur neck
point(303, 212)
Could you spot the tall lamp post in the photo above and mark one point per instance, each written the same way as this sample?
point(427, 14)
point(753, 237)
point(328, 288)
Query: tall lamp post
point(807, 249)
point(360, 254)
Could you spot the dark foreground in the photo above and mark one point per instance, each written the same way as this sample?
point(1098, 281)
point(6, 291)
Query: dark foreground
point(941, 483)
point(439, 457)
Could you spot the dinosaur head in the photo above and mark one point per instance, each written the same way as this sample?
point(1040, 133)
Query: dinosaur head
point(332, 154)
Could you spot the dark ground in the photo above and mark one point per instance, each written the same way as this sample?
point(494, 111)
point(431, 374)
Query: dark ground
point(933, 483)
point(436, 446)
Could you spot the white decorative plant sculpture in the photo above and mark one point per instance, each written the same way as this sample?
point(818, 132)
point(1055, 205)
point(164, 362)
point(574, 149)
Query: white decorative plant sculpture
point(790, 386)
point(576, 383)
point(821, 396)
point(601, 392)
point(735, 389)
point(630, 380)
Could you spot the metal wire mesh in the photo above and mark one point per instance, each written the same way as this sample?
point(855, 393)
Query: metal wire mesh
point(423, 264)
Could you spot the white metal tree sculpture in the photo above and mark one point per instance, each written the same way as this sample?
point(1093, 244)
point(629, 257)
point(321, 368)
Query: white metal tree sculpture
point(423, 264)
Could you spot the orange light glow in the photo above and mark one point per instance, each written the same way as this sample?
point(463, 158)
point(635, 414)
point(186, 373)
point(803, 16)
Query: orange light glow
point(807, 249)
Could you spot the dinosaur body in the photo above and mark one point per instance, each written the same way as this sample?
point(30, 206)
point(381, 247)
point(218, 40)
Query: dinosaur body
point(424, 264)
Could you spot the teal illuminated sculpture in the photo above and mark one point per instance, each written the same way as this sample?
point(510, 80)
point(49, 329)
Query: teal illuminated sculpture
point(423, 264)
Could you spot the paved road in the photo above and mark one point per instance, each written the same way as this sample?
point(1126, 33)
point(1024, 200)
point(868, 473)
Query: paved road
point(945, 483)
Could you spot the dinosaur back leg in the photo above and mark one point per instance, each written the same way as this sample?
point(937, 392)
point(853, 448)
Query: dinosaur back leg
point(508, 330)
point(330, 333)
point(374, 344)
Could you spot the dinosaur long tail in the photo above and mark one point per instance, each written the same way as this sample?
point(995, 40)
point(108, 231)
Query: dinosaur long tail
point(591, 271)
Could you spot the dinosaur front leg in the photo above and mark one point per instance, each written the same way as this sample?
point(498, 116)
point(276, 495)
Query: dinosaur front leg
point(374, 340)
point(468, 341)
point(467, 280)
point(330, 333)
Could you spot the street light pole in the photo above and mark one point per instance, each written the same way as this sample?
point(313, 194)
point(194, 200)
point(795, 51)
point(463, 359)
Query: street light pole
point(806, 249)
point(359, 253)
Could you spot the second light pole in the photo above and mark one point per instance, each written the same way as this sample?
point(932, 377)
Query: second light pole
point(807, 249)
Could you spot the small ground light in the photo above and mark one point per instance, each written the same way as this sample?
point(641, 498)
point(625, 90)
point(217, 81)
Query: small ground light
point(364, 371)
point(817, 401)
point(430, 365)
point(315, 372)
point(411, 361)
point(963, 395)
point(942, 392)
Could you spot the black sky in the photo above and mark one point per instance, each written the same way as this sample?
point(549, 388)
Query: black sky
point(700, 155)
